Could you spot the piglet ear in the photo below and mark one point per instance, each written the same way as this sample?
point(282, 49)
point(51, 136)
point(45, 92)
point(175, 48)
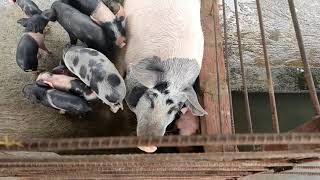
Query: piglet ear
point(148, 72)
point(193, 103)
point(49, 14)
point(23, 22)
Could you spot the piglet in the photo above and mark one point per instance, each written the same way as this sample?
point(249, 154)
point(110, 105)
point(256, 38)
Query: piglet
point(67, 84)
point(97, 72)
point(30, 42)
point(65, 102)
point(28, 7)
point(80, 26)
point(103, 16)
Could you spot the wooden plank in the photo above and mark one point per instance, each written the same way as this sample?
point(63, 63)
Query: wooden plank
point(213, 84)
point(308, 127)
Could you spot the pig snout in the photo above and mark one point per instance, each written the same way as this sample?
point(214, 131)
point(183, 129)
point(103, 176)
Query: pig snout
point(148, 149)
point(151, 130)
point(121, 41)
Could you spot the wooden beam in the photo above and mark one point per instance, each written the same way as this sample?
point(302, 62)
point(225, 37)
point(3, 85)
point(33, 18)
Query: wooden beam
point(308, 127)
point(213, 83)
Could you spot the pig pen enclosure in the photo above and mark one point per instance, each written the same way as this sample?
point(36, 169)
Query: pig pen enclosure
point(66, 147)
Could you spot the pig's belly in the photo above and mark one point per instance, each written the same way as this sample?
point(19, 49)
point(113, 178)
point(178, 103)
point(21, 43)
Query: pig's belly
point(163, 28)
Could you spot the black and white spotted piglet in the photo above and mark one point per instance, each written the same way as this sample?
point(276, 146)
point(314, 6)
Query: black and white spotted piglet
point(97, 72)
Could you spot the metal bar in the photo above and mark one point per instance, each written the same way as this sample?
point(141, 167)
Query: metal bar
point(305, 174)
point(245, 157)
point(166, 141)
point(227, 65)
point(77, 175)
point(122, 174)
point(164, 165)
point(272, 99)
point(308, 74)
point(244, 81)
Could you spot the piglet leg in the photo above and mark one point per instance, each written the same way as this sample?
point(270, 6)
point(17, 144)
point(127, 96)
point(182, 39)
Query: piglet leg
point(44, 48)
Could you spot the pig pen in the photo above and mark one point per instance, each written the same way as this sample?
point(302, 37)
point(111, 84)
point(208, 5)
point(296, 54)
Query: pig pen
point(36, 142)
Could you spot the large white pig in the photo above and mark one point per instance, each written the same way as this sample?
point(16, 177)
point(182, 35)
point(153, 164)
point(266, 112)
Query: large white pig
point(164, 58)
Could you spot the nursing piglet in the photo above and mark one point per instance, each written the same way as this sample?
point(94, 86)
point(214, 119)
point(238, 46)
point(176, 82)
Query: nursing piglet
point(80, 26)
point(164, 58)
point(102, 15)
point(68, 84)
point(53, 98)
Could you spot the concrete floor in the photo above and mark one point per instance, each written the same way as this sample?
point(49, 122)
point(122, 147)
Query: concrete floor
point(20, 118)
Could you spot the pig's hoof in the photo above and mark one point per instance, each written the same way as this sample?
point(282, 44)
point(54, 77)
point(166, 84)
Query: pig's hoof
point(62, 111)
point(148, 149)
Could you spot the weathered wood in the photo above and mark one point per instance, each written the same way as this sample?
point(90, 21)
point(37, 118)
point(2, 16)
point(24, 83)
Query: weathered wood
point(212, 78)
point(308, 127)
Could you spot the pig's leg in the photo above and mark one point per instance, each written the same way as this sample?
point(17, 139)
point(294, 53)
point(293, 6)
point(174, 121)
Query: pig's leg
point(43, 47)
point(73, 38)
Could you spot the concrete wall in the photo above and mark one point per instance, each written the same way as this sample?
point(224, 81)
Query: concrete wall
point(281, 42)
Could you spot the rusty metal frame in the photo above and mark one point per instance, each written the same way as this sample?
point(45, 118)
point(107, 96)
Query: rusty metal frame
point(243, 71)
point(272, 99)
point(308, 74)
point(203, 165)
point(166, 141)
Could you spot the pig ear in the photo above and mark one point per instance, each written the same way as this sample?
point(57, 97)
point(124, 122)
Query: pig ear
point(193, 103)
point(23, 22)
point(49, 14)
point(148, 72)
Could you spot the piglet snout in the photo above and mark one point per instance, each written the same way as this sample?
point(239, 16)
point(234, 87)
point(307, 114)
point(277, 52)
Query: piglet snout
point(148, 149)
point(121, 41)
